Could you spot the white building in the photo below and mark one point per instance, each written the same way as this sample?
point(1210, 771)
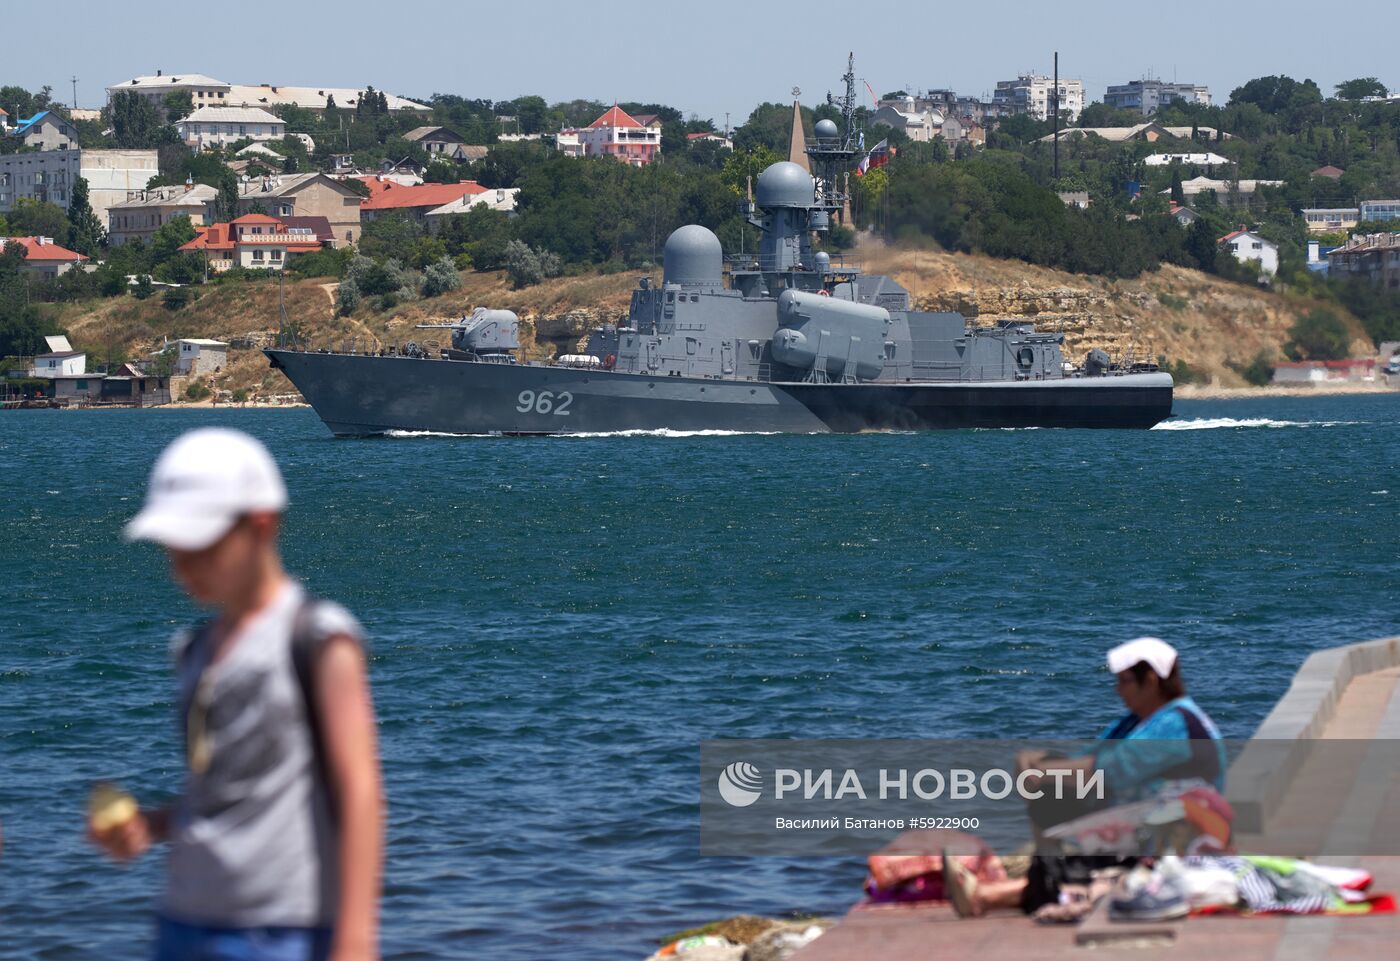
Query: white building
point(146, 211)
point(918, 125)
point(1379, 210)
point(566, 141)
point(1326, 220)
point(204, 91)
point(266, 95)
point(199, 356)
point(49, 175)
point(60, 360)
point(1031, 93)
point(217, 126)
point(1223, 188)
point(618, 134)
point(1148, 96)
point(501, 199)
point(1246, 245)
point(1199, 159)
point(208, 92)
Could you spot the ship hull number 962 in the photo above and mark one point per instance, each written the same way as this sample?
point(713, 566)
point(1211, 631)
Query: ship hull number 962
point(544, 402)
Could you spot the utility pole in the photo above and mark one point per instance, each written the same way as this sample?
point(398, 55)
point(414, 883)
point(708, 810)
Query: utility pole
point(75, 92)
point(1055, 100)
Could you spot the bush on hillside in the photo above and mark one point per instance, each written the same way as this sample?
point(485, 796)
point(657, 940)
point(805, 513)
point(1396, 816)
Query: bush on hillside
point(440, 277)
point(1319, 335)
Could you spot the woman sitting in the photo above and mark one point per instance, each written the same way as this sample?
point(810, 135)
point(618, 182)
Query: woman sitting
point(1163, 737)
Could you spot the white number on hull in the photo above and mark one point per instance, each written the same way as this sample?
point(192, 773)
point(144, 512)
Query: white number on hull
point(544, 402)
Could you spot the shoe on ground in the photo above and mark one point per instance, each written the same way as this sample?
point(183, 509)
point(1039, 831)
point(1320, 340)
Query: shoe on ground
point(1162, 898)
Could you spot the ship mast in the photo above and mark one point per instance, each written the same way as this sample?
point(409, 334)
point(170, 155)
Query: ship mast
point(831, 156)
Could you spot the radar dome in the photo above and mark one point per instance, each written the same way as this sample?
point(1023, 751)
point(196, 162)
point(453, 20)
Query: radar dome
point(826, 130)
point(693, 256)
point(785, 184)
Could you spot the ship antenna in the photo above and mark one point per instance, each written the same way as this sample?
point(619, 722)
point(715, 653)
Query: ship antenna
point(847, 103)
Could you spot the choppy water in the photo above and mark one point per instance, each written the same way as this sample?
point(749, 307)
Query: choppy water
point(557, 623)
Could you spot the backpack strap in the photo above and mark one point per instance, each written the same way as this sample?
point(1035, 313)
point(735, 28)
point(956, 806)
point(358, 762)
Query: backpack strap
point(306, 647)
point(194, 649)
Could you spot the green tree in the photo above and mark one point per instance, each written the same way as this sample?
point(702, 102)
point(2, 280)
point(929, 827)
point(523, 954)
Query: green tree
point(531, 112)
point(136, 123)
point(1201, 244)
point(529, 265)
point(347, 297)
point(179, 104)
point(1102, 115)
point(743, 166)
point(1361, 88)
point(1319, 335)
point(481, 234)
point(38, 218)
point(391, 235)
point(441, 171)
point(22, 324)
point(1277, 94)
point(1178, 194)
point(439, 277)
point(169, 237)
point(20, 103)
point(85, 233)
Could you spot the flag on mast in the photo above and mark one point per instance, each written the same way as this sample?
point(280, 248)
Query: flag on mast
point(878, 156)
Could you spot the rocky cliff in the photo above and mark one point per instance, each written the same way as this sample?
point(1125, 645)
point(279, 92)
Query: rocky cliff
point(1177, 314)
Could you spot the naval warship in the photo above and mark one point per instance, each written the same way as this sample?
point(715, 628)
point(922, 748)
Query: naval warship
point(788, 339)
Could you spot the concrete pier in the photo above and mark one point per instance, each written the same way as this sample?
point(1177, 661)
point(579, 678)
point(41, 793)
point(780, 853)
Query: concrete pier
point(1279, 783)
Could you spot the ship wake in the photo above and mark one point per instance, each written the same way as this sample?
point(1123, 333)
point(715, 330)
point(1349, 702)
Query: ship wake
point(1218, 423)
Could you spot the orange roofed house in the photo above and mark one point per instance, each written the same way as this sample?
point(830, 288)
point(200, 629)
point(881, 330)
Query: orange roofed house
point(415, 201)
point(259, 242)
point(42, 256)
point(618, 134)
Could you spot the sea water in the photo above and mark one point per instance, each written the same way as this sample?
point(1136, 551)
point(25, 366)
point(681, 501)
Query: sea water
point(556, 623)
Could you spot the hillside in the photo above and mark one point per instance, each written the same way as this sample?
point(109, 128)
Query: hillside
point(1184, 315)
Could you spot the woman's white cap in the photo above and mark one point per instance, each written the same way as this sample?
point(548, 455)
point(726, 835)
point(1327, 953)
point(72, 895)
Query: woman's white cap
point(1155, 651)
point(201, 484)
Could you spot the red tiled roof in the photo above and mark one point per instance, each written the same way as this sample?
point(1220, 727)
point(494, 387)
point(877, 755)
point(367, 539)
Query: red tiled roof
point(220, 236)
point(1240, 233)
point(398, 197)
point(375, 184)
point(212, 237)
point(616, 117)
point(704, 133)
point(35, 251)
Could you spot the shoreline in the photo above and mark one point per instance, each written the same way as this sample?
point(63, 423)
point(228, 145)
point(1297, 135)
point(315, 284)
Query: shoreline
point(1218, 392)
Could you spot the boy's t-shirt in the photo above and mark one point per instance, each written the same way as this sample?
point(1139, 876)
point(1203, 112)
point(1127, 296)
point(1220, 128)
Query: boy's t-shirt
point(252, 839)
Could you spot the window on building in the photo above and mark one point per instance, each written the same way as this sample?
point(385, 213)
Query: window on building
point(257, 255)
point(275, 254)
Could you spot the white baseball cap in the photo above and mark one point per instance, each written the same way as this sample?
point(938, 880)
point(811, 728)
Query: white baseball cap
point(201, 484)
point(1155, 651)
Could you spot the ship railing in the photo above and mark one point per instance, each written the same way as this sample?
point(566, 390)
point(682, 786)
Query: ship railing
point(839, 264)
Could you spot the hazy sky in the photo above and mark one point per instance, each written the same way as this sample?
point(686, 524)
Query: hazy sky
point(702, 57)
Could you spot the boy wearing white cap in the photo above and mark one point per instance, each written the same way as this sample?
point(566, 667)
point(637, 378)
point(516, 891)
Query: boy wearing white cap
point(276, 840)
